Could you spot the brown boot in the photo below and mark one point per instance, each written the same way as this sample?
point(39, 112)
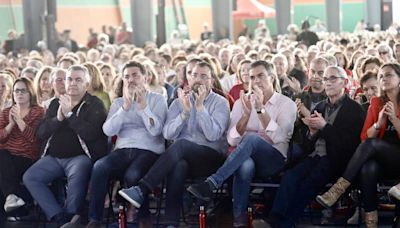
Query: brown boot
point(371, 219)
point(332, 195)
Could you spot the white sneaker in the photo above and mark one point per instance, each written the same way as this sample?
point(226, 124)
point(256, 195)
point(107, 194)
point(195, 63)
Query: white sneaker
point(394, 192)
point(13, 202)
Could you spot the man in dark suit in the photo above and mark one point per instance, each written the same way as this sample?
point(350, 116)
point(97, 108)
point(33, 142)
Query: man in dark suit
point(334, 128)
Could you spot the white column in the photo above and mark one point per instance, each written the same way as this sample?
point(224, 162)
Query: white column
point(396, 14)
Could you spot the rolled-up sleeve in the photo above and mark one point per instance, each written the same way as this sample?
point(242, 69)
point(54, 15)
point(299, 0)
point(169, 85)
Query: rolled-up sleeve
point(233, 136)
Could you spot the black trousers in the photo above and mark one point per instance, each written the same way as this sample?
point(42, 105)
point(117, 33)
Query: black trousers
point(12, 168)
point(374, 160)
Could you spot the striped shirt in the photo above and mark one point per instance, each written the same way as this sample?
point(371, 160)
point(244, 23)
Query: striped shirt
point(24, 144)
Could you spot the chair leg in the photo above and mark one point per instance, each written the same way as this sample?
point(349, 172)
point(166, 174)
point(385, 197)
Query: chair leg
point(159, 203)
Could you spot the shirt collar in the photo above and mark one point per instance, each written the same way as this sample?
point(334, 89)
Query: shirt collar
point(274, 98)
point(337, 104)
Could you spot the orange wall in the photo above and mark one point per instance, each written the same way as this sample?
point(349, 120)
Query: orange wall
point(79, 20)
point(196, 21)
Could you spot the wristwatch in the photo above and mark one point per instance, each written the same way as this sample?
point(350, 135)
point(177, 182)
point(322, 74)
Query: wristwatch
point(376, 126)
point(261, 111)
point(69, 114)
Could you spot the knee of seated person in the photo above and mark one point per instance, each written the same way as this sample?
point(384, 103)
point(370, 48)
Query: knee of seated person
point(246, 170)
point(27, 177)
point(251, 138)
point(369, 143)
point(100, 166)
point(370, 168)
point(131, 178)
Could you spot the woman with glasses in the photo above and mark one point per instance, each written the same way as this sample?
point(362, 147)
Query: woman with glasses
point(19, 147)
point(378, 156)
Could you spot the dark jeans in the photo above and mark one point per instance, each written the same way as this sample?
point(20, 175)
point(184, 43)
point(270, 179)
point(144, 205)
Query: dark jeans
point(298, 187)
point(182, 159)
point(129, 163)
point(12, 168)
point(374, 160)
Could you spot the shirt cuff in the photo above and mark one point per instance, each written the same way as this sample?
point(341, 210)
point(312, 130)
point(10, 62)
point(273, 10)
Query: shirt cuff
point(272, 126)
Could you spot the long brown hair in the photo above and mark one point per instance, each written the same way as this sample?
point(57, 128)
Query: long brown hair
point(396, 68)
point(29, 86)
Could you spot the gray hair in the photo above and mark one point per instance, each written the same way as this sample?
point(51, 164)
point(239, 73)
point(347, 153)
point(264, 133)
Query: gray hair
point(54, 73)
point(320, 60)
point(332, 61)
point(80, 68)
point(342, 73)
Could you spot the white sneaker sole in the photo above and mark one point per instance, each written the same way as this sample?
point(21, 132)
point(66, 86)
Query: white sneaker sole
point(125, 196)
point(9, 208)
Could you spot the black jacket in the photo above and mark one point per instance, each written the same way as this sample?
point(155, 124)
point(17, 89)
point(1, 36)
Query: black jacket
point(87, 122)
point(342, 137)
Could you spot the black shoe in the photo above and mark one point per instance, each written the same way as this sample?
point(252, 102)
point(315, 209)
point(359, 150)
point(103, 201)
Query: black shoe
point(203, 190)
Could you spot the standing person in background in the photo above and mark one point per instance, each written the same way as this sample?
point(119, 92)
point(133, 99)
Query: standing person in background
point(307, 37)
point(124, 36)
point(206, 34)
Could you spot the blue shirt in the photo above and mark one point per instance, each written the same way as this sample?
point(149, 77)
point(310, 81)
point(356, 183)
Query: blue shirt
point(207, 127)
point(137, 128)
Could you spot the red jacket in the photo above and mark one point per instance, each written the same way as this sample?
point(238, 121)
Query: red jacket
point(372, 117)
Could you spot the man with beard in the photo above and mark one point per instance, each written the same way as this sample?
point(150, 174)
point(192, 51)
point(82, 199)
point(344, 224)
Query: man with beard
point(137, 118)
point(308, 99)
point(197, 122)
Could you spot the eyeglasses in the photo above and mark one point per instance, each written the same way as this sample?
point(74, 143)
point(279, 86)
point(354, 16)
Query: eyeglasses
point(23, 91)
point(383, 52)
point(331, 79)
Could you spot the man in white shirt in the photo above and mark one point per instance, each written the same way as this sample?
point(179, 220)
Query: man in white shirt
point(261, 127)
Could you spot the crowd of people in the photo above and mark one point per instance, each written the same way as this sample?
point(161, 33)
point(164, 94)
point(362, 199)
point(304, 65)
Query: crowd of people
point(320, 110)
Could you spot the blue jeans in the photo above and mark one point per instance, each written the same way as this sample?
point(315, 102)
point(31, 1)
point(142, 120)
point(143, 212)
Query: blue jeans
point(298, 187)
point(47, 169)
point(129, 163)
point(253, 155)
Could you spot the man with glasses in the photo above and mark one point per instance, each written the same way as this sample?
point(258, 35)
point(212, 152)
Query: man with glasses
point(73, 138)
point(197, 121)
point(334, 128)
point(261, 127)
point(385, 53)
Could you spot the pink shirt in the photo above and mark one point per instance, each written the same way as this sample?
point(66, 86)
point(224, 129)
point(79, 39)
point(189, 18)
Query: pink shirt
point(278, 133)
